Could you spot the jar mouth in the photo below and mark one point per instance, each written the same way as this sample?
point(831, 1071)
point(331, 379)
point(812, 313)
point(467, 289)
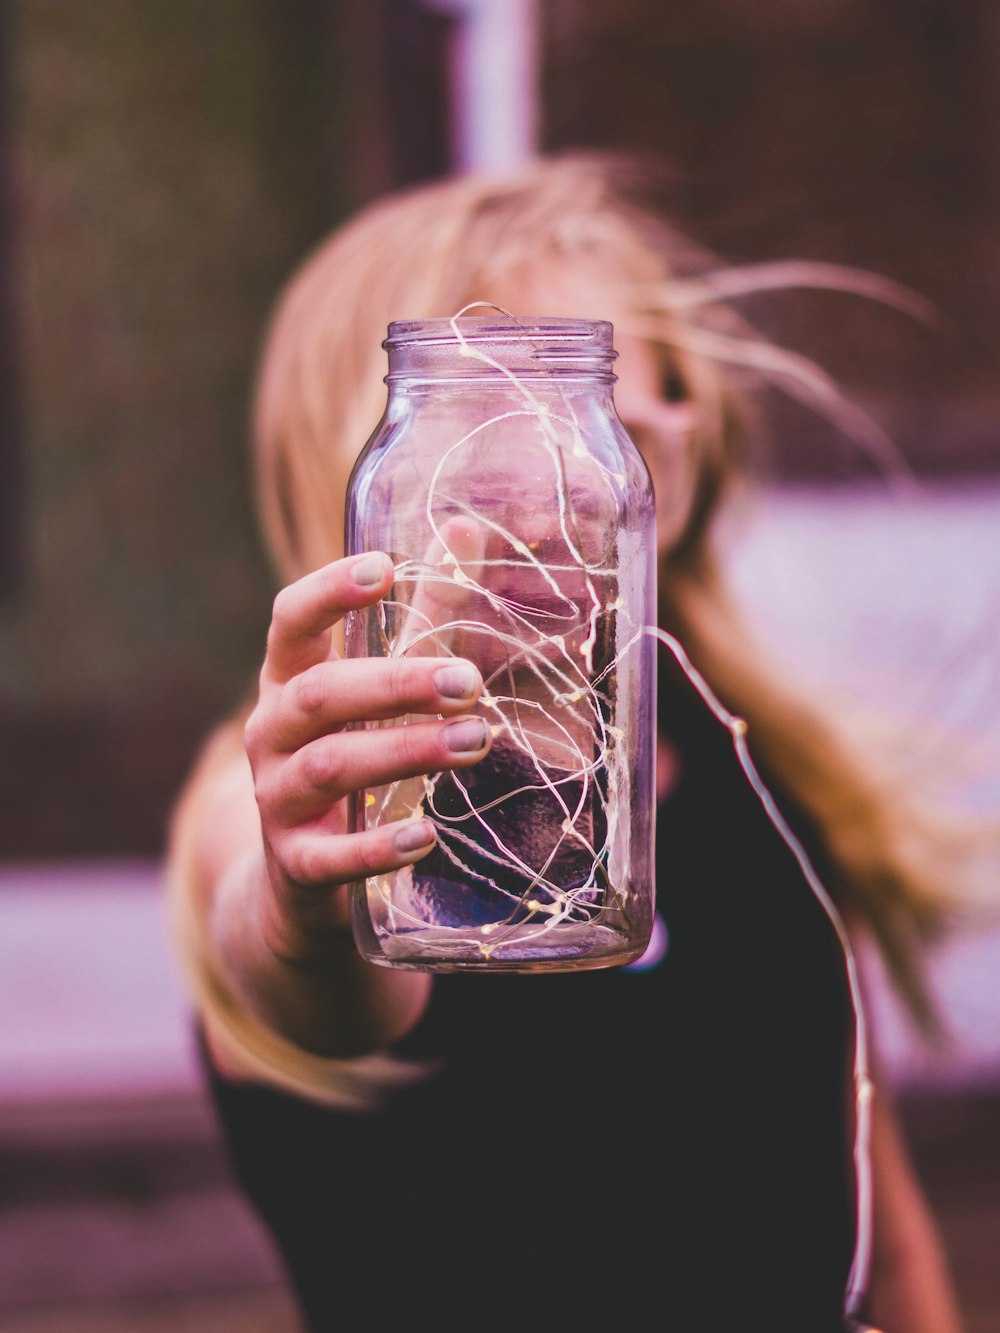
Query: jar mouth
point(524, 345)
point(499, 328)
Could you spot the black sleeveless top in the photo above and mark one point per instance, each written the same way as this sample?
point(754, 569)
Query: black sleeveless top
point(663, 1147)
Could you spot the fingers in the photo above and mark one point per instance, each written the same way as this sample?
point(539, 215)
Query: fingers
point(305, 611)
point(312, 779)
point(314, 859)
point(332, 694)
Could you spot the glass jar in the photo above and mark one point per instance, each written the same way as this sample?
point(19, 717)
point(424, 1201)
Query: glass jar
point(521, 522)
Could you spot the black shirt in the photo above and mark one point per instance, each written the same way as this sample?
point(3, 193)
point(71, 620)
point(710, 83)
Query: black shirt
point(661, 1147)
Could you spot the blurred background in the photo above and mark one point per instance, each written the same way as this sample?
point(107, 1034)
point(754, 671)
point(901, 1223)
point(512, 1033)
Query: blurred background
point(164, 164)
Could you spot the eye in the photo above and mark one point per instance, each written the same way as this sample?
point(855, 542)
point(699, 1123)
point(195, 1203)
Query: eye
point(674, 388)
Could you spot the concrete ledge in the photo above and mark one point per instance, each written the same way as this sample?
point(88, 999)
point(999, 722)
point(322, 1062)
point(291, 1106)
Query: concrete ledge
point(91, 1004)
point(92, 1013)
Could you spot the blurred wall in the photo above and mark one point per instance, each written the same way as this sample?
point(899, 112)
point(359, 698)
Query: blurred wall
point(865, 132)
point(170, 161)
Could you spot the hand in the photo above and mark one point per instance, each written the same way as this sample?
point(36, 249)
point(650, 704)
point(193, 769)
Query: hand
point(307, 764)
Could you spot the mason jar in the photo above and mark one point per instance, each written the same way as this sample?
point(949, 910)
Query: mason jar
point(520, 519)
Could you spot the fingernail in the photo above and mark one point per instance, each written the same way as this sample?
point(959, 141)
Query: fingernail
point(412, 837)
point(466, 736)
point(368, 570)
point(456, 682)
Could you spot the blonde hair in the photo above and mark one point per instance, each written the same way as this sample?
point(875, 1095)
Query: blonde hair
point(427, 252)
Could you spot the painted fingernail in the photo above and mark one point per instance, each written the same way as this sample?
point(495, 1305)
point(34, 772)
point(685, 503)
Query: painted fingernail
point(456, 682)
point(412, 837)
point(368, 570)
point(466, 736)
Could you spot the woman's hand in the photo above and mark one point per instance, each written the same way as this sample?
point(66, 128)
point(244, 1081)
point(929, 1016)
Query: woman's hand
point(308, 760)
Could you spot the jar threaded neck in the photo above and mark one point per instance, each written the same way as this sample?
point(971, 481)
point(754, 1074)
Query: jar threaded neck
point(497, 346)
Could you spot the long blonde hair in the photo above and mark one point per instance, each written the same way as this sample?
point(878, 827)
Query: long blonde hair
point(427, 252)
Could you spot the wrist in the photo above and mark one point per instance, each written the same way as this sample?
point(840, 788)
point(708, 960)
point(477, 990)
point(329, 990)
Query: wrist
point(304, 930)
point(307, 982)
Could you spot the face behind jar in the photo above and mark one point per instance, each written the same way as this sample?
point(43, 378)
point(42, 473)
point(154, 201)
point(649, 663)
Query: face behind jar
point(659, 421)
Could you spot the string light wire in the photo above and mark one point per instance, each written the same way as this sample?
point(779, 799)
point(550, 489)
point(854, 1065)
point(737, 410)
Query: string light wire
point(544, 904)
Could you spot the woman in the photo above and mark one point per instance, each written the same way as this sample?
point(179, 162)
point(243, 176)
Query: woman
point(688, 1151)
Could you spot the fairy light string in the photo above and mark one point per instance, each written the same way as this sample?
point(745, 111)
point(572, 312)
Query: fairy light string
point(864, 1088)
point(525, 723)
point(569, 721)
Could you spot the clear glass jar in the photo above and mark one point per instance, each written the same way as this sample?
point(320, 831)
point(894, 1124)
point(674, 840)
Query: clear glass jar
point(521, 521)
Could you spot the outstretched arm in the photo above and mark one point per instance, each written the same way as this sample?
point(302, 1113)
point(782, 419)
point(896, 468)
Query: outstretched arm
point(273, 851)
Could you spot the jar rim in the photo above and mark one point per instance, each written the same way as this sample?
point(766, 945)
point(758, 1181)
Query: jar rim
point(498, 328)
